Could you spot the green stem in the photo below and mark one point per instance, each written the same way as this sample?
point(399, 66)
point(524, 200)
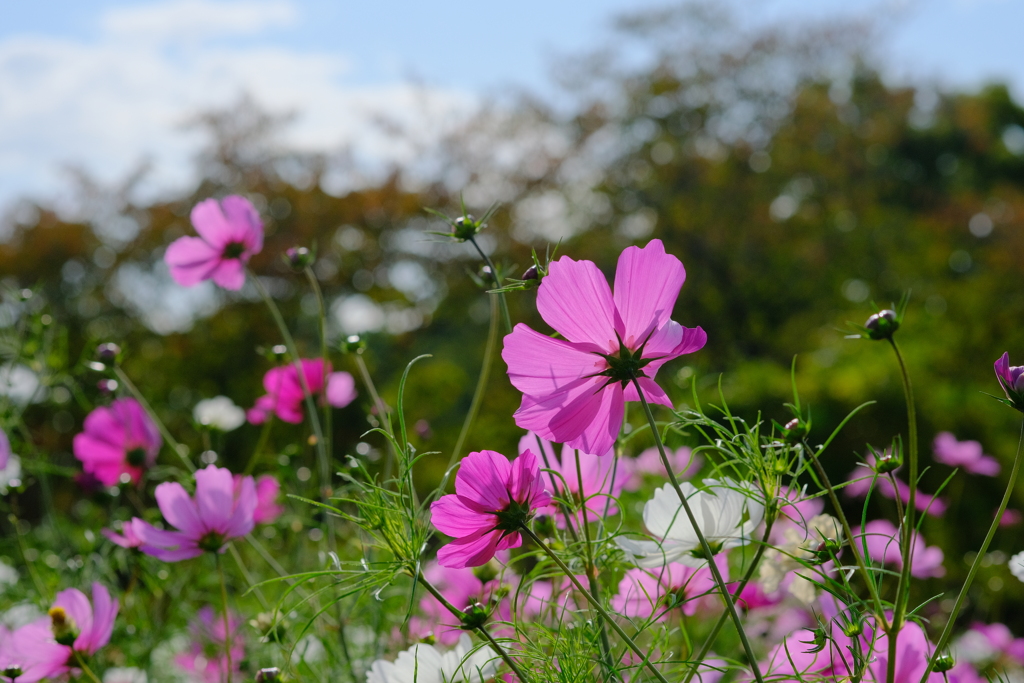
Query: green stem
point(481, 384)
point(227, 616)
point(260, 444)
point(13, 519)
point(325, 472)
point(247, 576)
point(595, 586)
point(710, 640)
point(566, 514)
point(458, 614)
point(180, 450)
point(85, 667)
point(323, 457)
point(497, 285)
point(858, 556)
point(903, 588)
point(594, 603)
point(382, 413)
point(948, 630)
point(730, 606)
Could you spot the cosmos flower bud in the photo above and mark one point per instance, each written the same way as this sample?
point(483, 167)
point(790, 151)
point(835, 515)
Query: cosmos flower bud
point(299, 258)
point(883, 324)
point(888, 461)
point(944, 663)
point(269, 675)
point(466, 227)
point(1011, 379)
point(353, 344)
point(107, 386)
point(473, 617)
point(108, 352)
point(531, 273)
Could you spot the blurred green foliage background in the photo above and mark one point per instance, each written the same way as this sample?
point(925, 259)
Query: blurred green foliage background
point(796, 185)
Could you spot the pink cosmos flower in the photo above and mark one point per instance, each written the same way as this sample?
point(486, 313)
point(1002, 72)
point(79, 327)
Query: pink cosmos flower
point(30, 653)
point(987, 644)
point(1010, 377)
point(78, 626)
point(126, 539)
point(859, 483)
point(575, 388)
point(600, 489)
point(883, 541)
point(685, 464)
point(285, 396)
point(268, 488)
point(204, 524)
point(967, 455)
point(643, 592)
point(230, 233)
point(912, 653)
point(119, 442)
point(493, 498)
point(208, 637)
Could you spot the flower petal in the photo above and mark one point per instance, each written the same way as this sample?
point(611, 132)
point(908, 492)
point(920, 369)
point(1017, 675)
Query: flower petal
point(482, 481)
point(179, 509)
point(191, 260)
point(647, 284)
point(242, 519)
point(229, 274)
point(215, 491)
point(246, 226)
point(575, 300)
point(451, 516)
point(341, 389)
point(104, 610)
point(213, 226)
point(539, 365)
point(469, 551)
point(76, 606)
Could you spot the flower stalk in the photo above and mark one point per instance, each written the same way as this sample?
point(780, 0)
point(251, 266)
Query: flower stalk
point(730, 605)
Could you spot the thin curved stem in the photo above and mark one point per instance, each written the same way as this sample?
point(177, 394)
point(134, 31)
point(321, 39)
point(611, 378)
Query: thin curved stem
point(481, 384)
point(227, 616)
point(179, 449)
point(85, 667)
point(903, 588)
point(948, 630)
point(710, 640)
point(260, 444)
point(858, 556)
point(594, 603)
point(723, 588)
point(497, 284)
point(595, 586)
point(459, 614)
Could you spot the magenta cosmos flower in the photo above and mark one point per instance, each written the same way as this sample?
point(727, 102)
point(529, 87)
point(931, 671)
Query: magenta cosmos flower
point(883, 542)
point(967, 455)
point(285, 396)
point(230, 233)
point(1011, 379)
point(575, 388)
point(268, 489)
point(79, 626)
point(205, 523)
point(30, 653)
point(493, 499)
point(119, 442)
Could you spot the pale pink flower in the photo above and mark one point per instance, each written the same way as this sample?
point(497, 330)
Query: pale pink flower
point(30, 653)
point(230, 233)
point(575, 388)
point(883, 541)
point(967, 455)
point(860, 481)
point(684, 464)
point(986, 644)
point(126, 539)
point(643, 593)
point(268, 488)
point(602, 480)
point(119, 443)
point(493, 498)
point(208, 638)
point(912, 654)
point(285, 396)
point(205, 523)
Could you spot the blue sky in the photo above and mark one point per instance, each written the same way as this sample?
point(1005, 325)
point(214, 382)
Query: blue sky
point(102, 83)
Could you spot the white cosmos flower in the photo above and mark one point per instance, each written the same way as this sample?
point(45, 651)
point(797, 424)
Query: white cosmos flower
point(220, 413)
point(424, 663)
point(1017, 565)
point(726, 512)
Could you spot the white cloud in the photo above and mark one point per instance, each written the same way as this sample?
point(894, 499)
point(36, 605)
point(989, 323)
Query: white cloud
point(106, 103)
point(191, 19)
